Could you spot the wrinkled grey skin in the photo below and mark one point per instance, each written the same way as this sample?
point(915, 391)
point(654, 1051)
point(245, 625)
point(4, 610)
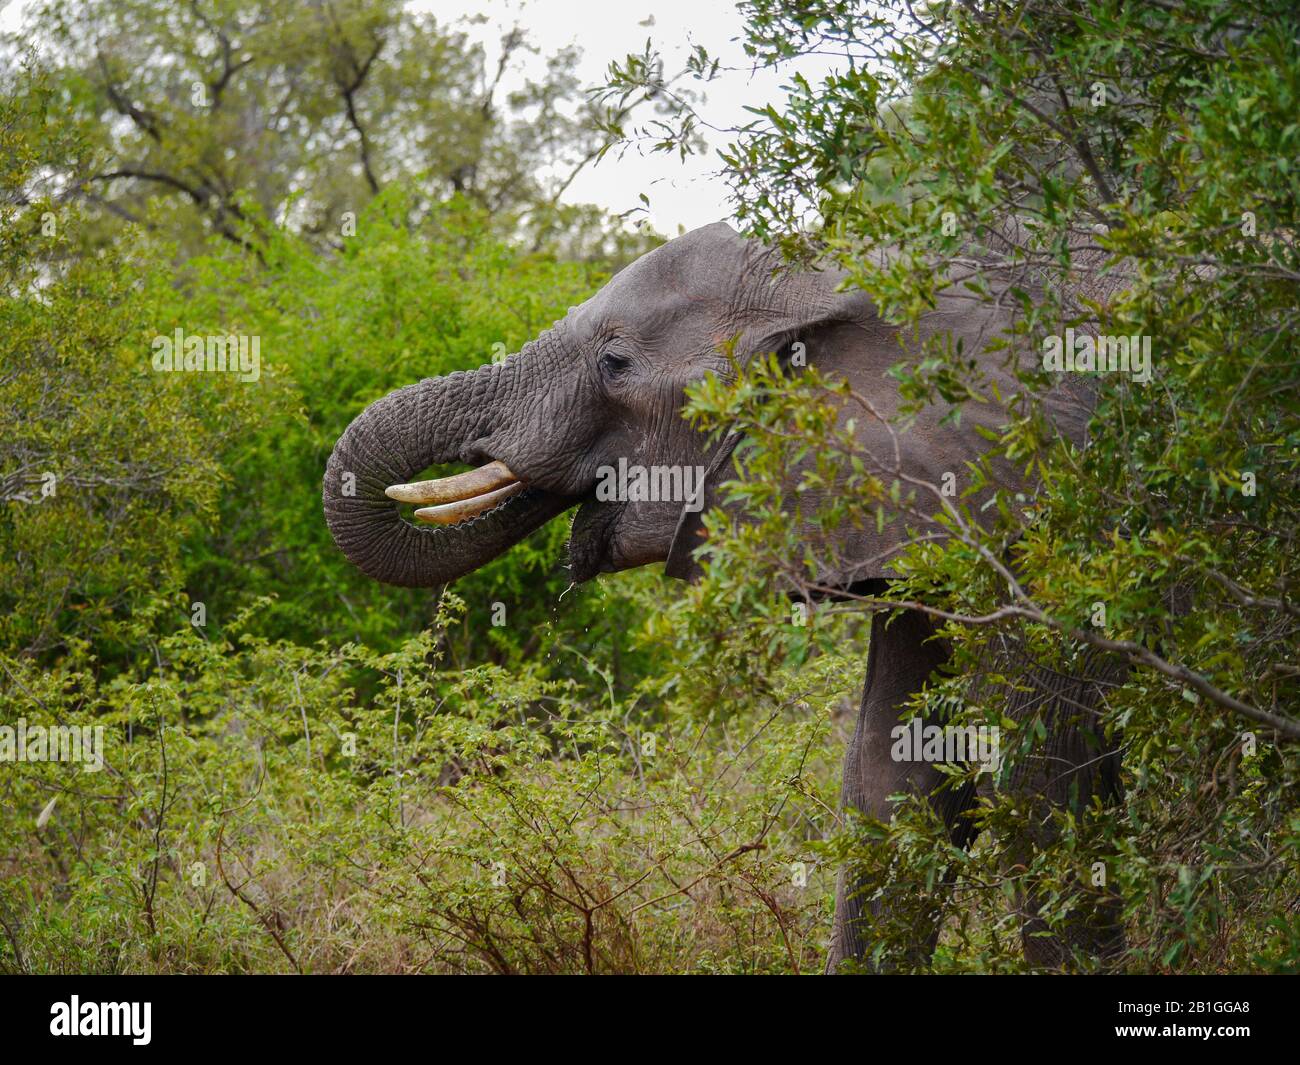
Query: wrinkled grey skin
point(607, 382)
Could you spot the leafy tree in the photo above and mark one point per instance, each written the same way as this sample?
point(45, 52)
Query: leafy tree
point(231, 116)
point(105, 468)
point(1021, 139)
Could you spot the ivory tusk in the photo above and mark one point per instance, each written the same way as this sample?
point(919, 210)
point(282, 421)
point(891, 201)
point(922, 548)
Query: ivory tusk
point(465, 486)
point(464, 509)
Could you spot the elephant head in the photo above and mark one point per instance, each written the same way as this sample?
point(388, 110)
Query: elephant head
point(602, 391)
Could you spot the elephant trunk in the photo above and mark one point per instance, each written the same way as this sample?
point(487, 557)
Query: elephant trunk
point(387, 444)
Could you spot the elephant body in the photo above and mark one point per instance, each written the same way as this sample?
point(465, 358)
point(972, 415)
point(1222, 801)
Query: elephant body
point(605, 385)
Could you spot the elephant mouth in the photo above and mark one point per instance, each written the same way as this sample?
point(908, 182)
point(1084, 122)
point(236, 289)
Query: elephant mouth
point(591, 540)
point(465, 497)
point(460, 498)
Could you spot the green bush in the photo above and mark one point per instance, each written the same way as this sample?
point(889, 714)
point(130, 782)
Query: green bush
point(1159, 141)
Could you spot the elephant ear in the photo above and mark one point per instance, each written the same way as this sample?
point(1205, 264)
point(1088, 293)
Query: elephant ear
point(843, 337)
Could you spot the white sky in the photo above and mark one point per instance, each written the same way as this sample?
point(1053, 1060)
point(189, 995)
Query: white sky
point(683, 195)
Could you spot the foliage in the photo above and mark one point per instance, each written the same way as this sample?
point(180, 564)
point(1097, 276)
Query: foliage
point(232, 117)
point(1158, 142)
point(255, 813)
point(105, 468)
point(314, 771)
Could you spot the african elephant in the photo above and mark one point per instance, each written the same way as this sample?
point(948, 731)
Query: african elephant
point(606, 384)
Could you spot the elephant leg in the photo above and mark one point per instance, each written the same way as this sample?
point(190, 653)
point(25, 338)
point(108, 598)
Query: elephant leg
point(900, 660)
point(1070, 767)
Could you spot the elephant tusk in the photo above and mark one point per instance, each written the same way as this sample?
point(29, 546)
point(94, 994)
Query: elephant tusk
point(464, 509)
point(486, 479)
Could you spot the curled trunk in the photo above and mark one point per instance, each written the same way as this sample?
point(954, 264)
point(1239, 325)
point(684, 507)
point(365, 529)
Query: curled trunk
point(390, 442)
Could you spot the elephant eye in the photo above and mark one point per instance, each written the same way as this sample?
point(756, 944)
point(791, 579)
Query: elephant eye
point(612, 364)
